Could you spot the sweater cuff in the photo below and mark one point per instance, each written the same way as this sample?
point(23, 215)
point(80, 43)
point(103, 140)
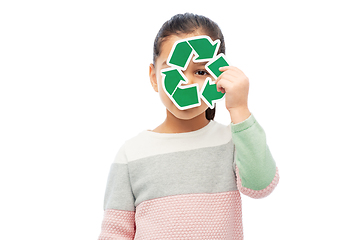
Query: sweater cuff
point(241, 126)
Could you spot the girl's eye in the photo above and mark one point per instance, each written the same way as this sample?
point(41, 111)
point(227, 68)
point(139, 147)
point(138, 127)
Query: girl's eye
point(201, 72)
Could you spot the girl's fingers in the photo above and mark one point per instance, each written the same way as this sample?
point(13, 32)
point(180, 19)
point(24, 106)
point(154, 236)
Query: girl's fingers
point(224, 68)
point(222, 85)
point(227, 75)
point(232, 69)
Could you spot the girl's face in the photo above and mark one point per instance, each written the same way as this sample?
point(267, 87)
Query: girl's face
point(195, 73)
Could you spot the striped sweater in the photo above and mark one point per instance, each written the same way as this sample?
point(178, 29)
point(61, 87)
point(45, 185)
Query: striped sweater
point(187, 185)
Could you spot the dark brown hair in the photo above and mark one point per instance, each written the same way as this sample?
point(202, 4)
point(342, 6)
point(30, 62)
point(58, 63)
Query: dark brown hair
point(188, 23)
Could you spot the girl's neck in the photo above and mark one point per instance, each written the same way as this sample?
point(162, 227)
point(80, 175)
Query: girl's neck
point(173, 124)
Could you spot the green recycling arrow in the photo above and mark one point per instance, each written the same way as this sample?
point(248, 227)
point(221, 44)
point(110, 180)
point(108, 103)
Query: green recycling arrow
point(204, 49)
point(213, 66)
point(186, 97)
point(180, 55)
point(183, 97)
point(209, 93)
point(172, 79)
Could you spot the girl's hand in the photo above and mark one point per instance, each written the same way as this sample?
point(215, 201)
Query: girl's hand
point(236, 85)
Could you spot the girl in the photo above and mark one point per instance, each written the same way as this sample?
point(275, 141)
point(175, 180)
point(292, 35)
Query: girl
point(183, 179)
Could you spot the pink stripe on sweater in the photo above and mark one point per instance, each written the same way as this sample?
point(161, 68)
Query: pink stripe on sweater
point(257, 193)
point(190, 216)
point(117, 224)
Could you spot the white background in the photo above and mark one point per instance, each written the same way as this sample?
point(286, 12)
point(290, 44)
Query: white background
point(75, 86)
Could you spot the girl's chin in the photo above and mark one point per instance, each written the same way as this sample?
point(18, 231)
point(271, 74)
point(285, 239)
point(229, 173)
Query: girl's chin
point(188, 113)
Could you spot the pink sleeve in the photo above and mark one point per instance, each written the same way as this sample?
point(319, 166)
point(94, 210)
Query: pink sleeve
point(257, 193)
point(117, 224)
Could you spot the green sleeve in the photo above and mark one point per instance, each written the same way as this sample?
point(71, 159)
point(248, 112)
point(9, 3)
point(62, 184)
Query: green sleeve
point(256, 165)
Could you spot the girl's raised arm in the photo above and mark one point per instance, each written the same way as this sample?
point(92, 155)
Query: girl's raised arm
point(256, 171)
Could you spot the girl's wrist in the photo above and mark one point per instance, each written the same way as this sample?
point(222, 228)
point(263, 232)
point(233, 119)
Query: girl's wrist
point(239, 114)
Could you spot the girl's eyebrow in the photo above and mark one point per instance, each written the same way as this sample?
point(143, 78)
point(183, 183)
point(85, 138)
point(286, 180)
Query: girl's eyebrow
point(195, 63)
point(200, 63)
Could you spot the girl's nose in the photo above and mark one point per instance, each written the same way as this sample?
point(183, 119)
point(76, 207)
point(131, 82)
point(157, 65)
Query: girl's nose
point(190, 81)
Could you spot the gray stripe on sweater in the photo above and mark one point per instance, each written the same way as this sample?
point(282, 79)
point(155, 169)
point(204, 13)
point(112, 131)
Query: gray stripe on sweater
point(118, 194)
point(205, 170)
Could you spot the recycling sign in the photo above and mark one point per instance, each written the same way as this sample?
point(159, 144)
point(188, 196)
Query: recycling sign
point(189, 96)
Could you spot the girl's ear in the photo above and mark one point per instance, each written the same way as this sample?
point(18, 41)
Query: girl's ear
point(152, 75)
